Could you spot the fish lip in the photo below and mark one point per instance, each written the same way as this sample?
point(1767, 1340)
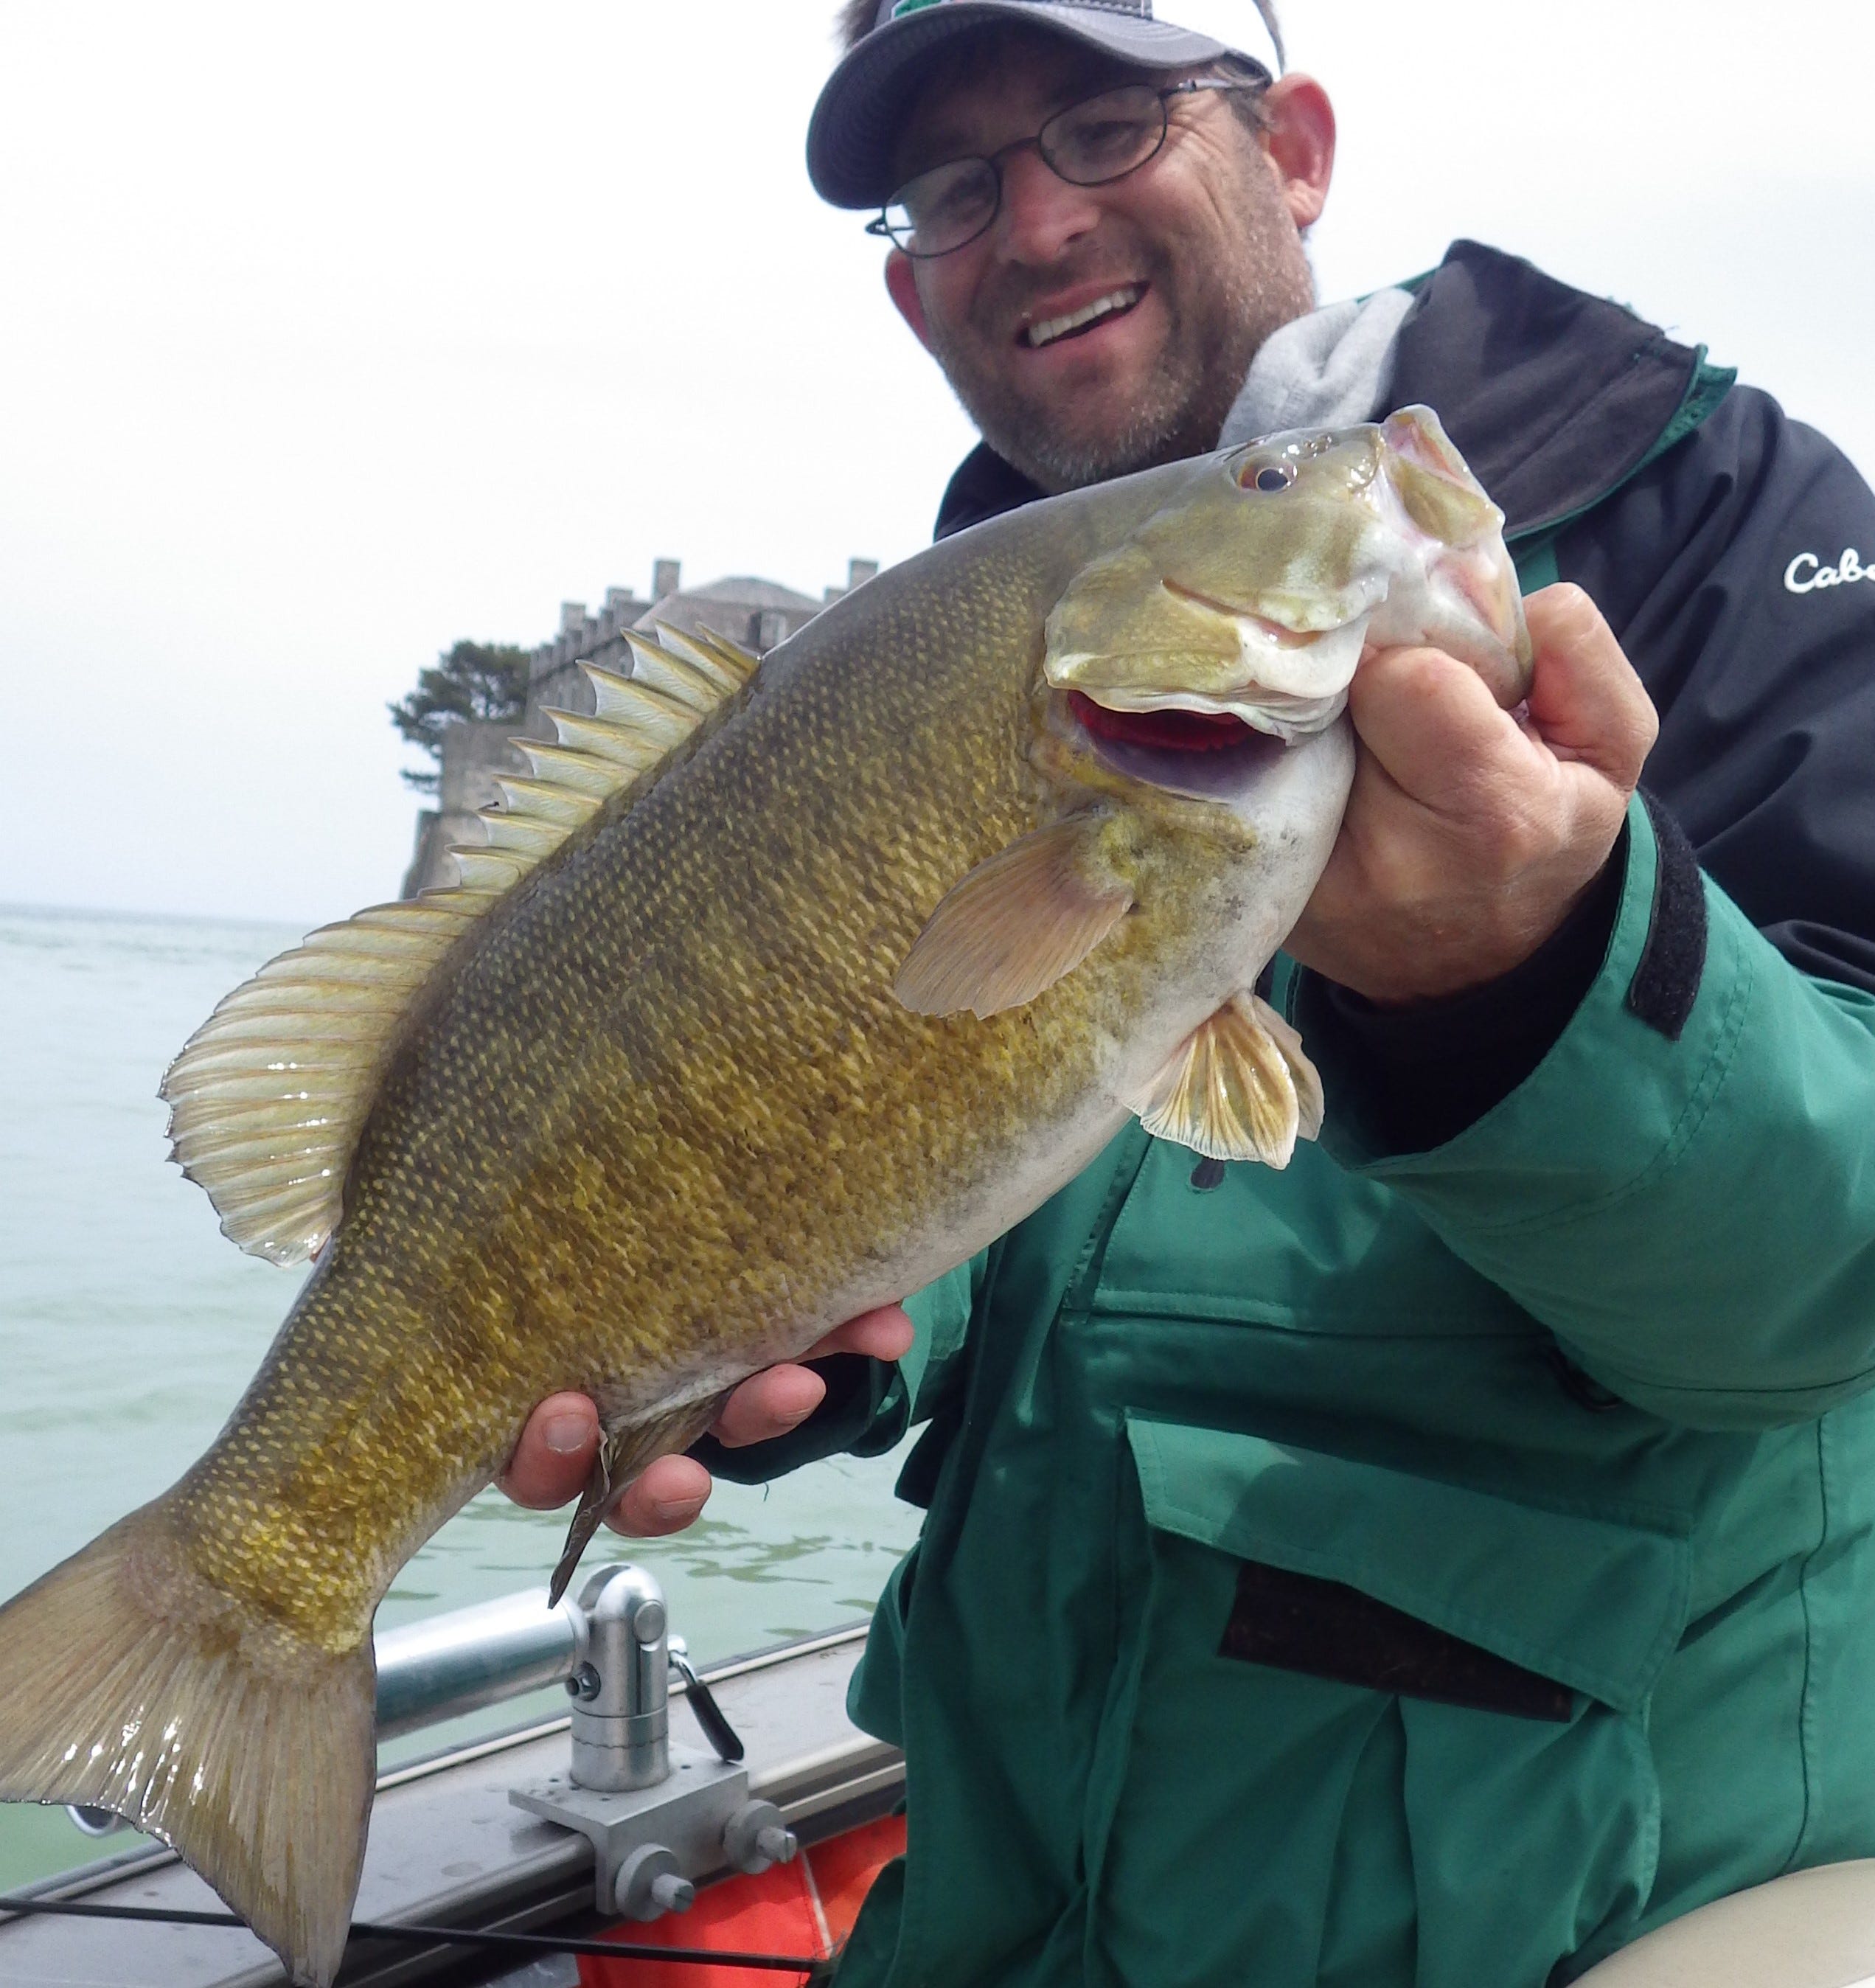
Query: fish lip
point(1271, 713)
point(1278, 632)
point(1067, 302)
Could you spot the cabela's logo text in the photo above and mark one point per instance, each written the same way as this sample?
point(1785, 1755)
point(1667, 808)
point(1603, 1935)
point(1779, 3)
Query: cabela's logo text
point(1806, 572)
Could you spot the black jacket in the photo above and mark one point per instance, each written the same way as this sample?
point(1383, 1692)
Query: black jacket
point(1708, 528)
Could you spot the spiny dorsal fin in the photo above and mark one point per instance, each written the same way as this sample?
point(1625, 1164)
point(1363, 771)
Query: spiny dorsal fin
point(268, 1097)
point(668, 671)
point(714, 654)
point(1240, 1087)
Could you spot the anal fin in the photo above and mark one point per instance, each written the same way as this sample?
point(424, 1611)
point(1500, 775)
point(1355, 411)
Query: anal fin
point(1240, 1087)
point(623, 1452)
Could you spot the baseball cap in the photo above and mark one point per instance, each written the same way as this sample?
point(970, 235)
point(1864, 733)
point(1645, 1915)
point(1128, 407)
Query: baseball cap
point(862, 109)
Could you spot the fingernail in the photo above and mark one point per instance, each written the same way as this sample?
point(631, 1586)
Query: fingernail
point(565, 1434)
point(667, 1509)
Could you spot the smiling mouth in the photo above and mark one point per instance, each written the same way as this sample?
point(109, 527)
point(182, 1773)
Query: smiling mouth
point(1071, 324)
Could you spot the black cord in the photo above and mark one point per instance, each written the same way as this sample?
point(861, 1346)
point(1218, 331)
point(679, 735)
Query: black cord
point(816, 1969)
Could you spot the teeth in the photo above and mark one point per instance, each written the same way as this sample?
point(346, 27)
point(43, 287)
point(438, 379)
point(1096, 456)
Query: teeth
point(1052, 328)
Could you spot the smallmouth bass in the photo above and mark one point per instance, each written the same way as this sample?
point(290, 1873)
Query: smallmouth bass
point(775, 992)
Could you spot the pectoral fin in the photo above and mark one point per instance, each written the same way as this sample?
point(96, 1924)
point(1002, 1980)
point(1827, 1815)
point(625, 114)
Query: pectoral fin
point(1239, 1088)
point(1015, 925)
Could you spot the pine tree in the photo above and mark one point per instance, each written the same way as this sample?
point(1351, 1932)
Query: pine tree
point(473, 680)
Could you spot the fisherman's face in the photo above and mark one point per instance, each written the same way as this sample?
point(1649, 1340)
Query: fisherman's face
point(1198, 253)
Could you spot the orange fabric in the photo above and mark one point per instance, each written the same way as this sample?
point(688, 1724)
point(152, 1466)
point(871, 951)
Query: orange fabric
point(808, 1906)
point(844, 1868)
point(771, 1913)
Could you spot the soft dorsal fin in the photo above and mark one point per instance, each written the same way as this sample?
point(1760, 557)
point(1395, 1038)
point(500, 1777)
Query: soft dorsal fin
point(267, 1098)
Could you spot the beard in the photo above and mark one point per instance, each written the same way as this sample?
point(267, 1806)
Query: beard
point(1221, 303)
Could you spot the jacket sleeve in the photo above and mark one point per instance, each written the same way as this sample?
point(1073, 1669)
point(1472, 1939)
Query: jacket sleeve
point(870, 1404)
point(1683, 1189)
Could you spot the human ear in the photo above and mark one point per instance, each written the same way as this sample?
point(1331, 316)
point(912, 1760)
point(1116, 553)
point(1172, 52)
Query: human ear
point(1300, 144)
point(901, 280)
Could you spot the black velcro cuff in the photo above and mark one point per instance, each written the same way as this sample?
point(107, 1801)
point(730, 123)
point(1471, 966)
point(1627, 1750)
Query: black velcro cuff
point(1673, 960)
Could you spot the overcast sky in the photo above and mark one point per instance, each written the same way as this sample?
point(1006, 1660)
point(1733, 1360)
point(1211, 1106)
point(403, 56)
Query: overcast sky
point(334, 333)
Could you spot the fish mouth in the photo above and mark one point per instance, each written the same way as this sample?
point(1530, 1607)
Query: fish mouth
point(1207, 753)
point(1167, 727)
point(1116, 303)
point(1284, 680)
point(1198, 721)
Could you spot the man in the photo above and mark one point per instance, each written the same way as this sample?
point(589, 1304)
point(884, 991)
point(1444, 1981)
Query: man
point(1439, 1562)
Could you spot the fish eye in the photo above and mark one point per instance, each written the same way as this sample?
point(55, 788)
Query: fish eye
point(1273, 476)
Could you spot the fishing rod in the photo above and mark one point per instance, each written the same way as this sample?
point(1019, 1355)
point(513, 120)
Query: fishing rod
point(816, 1969)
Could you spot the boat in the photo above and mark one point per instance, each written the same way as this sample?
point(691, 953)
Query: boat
point(666, 1815)
point(1812, 1928)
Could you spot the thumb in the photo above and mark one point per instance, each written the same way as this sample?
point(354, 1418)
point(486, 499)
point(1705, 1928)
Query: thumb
point(1585, 702)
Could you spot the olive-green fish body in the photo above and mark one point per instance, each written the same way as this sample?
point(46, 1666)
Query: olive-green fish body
point(774, 996)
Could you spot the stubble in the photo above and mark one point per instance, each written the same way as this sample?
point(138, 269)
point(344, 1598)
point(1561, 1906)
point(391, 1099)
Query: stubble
point(1222, 301)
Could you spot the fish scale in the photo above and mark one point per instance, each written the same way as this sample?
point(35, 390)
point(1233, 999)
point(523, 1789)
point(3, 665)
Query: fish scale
point(699, 1061)
point(614, 1030)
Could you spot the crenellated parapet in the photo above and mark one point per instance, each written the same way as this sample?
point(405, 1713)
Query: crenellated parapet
point(758, 614)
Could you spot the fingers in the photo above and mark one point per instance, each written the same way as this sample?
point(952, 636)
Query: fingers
point(884, 1334)
point(780, 1398)
point(554, 1457)
point(767, 1404)
point(1425, 719)
point(1470, 831)
point(664, 1497)
point(1585, 700)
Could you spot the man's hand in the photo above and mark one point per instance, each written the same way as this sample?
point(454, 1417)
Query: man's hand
point(554, 1457)
point(1469, 835)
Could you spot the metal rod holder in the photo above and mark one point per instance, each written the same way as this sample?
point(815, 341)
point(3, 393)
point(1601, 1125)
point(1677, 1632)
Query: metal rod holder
point(620, 1693)
point(659, 1819)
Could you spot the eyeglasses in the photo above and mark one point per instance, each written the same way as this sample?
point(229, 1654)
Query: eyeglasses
point(1100, 139)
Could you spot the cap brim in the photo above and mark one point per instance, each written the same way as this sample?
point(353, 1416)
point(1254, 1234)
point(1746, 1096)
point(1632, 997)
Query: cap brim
point(861, 111)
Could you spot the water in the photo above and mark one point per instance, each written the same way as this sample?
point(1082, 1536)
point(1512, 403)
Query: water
point(128, 1324)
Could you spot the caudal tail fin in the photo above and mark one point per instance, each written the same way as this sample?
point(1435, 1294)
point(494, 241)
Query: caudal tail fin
point(128, 1683)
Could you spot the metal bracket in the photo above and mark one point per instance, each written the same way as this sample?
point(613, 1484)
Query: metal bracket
point(689, 1816)
point(659, 1817)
